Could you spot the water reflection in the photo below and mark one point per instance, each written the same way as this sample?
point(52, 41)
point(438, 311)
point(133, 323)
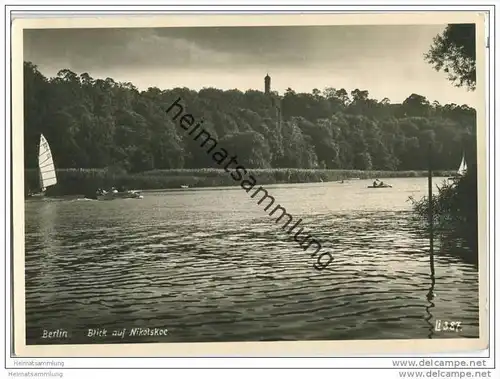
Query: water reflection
point(461, 246)
point(41, 235)
point(214, 272)
point(430, 296)
point(454, 245)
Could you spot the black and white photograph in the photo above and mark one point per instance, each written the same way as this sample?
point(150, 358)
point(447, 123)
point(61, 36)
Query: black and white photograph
point(252, 182)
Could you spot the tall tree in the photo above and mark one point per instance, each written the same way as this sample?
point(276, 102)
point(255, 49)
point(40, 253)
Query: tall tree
point(454, 52)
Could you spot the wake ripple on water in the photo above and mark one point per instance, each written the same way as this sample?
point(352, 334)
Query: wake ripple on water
point(239, 280)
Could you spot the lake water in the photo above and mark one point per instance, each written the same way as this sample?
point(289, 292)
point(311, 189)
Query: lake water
point(211, 265)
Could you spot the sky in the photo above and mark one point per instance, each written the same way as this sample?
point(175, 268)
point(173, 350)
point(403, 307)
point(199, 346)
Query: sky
point(386, 60)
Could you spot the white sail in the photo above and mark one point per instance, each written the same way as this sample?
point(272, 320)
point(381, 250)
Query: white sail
point(463, 167)
point(46, 165)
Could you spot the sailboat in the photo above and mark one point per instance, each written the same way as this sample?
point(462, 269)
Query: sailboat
point(462, 169)
point(46, 170)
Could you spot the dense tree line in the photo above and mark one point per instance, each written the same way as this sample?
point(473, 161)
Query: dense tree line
point(96, 123)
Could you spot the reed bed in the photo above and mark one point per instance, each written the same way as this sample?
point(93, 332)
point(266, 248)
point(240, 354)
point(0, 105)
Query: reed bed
point(86, 181)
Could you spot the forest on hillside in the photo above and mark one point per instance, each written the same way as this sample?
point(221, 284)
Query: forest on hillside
point(96, 123)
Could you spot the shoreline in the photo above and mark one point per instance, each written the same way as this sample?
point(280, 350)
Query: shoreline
point(86, 181)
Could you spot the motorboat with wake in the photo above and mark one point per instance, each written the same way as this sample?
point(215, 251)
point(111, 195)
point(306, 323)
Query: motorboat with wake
point(115, 194)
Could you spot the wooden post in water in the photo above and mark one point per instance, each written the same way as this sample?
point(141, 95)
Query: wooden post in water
point(431, 212)
point(278, 108)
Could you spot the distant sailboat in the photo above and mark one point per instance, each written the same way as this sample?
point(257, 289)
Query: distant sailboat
point(462, 170)
point(463, 167)
point(46, 169)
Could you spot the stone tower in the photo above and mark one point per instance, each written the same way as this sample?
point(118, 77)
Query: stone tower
point(267, 84)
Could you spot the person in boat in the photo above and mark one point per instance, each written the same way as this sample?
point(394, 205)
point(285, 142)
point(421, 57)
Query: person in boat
point(114, 190)
point(377, 183)
point(94, 196)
